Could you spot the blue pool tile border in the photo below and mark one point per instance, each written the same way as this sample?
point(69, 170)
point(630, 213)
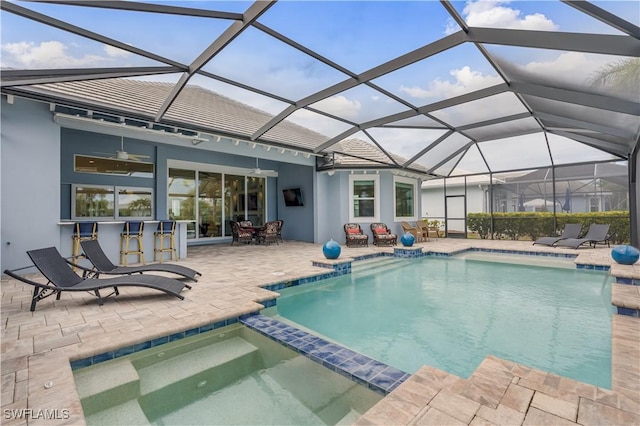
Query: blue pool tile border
point(593, 267)
point(359, 368)
point(128, 350)
point(525, 252)
point(627, 281)
point(630, 312)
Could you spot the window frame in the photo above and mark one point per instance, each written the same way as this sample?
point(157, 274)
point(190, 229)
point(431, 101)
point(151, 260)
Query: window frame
point(116, 209)
point(139, 175)
point(414, 183)
point(376, 203)
point(115, 189)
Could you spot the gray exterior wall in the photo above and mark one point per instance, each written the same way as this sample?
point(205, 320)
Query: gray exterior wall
point(298, 221)
point(334, 204)
point(36, 156)
point(30, 180)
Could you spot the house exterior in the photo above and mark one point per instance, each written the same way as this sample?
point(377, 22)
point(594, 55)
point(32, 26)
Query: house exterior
point(88, 151)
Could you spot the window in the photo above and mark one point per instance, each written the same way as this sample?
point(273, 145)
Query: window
point(134, 203)
point(404, 198)
point(112, 166)
point(111, 202)
point(364, 196)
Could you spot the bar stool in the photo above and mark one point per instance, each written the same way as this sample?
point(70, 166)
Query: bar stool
point(166, 229)
point(82, 231)
point(132, 231)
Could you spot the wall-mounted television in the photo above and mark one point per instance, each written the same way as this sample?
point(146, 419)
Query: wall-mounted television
point(292, 197)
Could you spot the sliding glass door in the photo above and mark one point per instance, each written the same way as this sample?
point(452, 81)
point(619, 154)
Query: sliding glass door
point(220, 199)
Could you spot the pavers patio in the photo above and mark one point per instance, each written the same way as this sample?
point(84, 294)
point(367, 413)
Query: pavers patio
point(36, 347)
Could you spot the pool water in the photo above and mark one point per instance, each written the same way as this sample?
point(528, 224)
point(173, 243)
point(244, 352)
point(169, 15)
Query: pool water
point(451, 313)
point(230, 376)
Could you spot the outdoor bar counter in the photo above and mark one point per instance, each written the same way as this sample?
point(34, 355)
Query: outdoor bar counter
point(109, 239)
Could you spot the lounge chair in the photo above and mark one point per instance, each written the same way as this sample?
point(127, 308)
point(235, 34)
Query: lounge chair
point(382, 236)
point(102, 265)
point(597, 233)
point(61, 278)
point(354, 235)
point(571, 230)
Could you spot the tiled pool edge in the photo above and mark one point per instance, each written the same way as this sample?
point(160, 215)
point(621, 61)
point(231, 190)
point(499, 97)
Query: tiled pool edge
point(621, 310)
point(359, 368)
point(127, 350)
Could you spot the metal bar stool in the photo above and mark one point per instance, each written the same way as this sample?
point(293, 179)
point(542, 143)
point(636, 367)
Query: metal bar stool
point(166, 229)
point(132, 231)
point(82, 231)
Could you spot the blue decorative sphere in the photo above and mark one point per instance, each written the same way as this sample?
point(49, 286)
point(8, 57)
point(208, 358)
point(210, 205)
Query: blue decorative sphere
point(331, 250)
point(625, 255)
point(407, 239)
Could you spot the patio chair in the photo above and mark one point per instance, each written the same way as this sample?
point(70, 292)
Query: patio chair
point(268, 234)
point(382, 236)
point(355, 236)
point(57, 270)
point(597, 233)
point(102, 265)
point(413, 230)
point(240, 235)
point(571, 230)
point(280, 223)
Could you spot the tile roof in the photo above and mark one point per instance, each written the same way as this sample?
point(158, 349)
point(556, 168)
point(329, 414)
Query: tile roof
point(202, 109)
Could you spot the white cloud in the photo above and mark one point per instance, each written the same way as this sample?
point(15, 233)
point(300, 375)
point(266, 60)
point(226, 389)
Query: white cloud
point(570, 67)
point(340, 106)
point(495, 13)
point(492, 13)
point(115, 52)
point(47, 54)
point(465, 80)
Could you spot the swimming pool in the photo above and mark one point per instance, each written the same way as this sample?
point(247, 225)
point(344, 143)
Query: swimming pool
point(451, 313)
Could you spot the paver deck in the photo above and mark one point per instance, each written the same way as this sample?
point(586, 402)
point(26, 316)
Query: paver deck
point(36, 347)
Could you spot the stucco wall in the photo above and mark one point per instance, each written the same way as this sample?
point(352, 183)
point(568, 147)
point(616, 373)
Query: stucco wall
point(30, 159)
point(334, 204)
point(298, 220)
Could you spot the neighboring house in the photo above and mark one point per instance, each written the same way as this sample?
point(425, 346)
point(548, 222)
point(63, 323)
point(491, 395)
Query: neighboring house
point(91, 150)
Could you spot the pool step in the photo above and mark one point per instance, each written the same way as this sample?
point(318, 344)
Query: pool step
point(127, 414)
point(177, 381)
point(376, 265)
point(107, 384)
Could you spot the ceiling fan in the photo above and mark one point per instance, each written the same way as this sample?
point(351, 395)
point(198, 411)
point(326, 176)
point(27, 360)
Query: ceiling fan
point(258, 171)
point(121, 154)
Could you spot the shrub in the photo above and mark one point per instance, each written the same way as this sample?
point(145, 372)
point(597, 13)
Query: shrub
point(532, 225)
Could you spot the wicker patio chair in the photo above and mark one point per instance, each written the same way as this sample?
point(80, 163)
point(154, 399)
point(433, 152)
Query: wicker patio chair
point(382, 236)
point(413, 230)
point(280, 225)
point(355, 236)
point(268, 234)
point(240, 235)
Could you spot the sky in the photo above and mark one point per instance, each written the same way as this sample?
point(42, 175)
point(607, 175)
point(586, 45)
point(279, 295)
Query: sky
point(356, 35)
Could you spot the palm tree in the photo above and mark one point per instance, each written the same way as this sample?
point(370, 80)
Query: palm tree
point(622, 75)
